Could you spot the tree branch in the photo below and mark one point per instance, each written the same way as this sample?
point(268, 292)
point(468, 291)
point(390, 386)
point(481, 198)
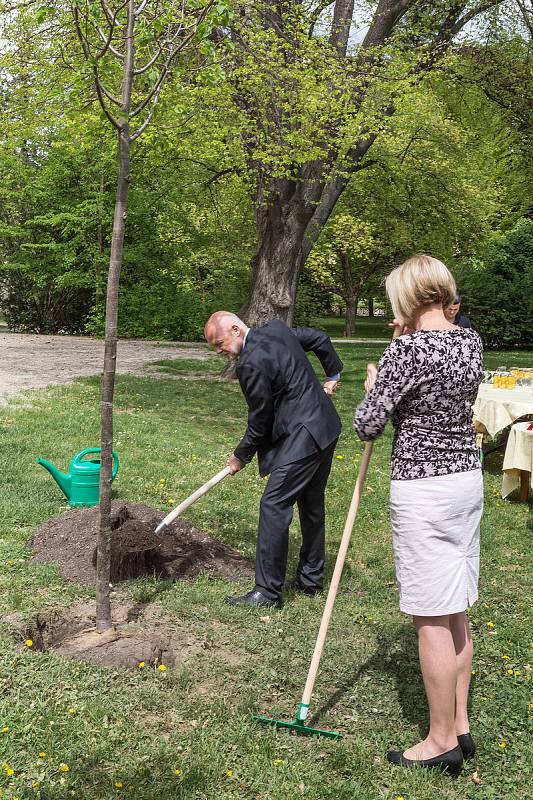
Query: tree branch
point(385, 18)
point(99, 93)
point(341, 25)
point(140, 70)
point(315, 15)
point(527, 16)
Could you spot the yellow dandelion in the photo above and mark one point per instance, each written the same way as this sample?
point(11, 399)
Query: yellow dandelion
point(162, 668)
point(177, 772)
point(339, 457)
point(510, 672)
point(72, 710)
point(5, 729)
point(490, 624)
point(503, 745)
point(399, 797)
point(171, 501)
point(229, 773)
point(64, 768)
point(141, 665)
point(473, 672)
point(277, 761)
point(42, 754)
point(506, 658)
point(29, 642)
point(118, 784)
point(9, 770)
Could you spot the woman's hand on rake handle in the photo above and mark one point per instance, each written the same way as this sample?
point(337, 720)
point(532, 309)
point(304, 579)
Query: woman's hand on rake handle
point(371, 375)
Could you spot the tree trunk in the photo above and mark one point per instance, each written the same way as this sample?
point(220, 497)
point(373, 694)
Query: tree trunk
point(100, 240)
point(103, 561)
point(370, 306)
point(103, 544)
point(276, 267)
point(350, 295)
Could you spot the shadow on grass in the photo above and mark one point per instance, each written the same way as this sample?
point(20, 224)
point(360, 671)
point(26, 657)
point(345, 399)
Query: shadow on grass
point(396, 656)
point(493, 462)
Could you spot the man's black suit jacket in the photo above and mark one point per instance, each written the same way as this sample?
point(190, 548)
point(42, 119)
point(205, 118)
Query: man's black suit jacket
point(289, 414)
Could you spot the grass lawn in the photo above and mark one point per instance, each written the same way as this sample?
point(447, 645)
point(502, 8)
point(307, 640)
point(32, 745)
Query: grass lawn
point(187, 732)
point(365, 328)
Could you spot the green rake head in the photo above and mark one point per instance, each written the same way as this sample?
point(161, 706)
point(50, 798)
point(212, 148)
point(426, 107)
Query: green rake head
point(298, 727)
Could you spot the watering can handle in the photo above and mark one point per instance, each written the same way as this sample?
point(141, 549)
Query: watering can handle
point(81, 455)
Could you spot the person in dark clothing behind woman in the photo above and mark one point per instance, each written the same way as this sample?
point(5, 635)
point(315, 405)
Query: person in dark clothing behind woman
point(293, 427)
point(454, 314)
point(426, 383)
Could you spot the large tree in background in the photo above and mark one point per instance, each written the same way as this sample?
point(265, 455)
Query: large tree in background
point(313, 103)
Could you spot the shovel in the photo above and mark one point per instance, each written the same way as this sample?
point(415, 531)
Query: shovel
point(299, 725)
point(193, 498)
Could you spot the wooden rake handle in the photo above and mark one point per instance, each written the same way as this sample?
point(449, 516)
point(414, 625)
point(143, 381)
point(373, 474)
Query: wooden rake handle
point(332, 593)
point(193, 498)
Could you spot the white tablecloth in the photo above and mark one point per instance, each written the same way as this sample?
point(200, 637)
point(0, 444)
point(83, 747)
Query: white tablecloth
point(496, 409)
point(518, 456)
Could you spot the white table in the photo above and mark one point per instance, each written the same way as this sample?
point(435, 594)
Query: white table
point(518, 461)
point(496, 409)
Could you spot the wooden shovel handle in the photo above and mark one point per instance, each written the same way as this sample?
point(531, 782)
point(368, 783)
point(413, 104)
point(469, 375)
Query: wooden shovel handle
point(196, 495)
point(337, 572)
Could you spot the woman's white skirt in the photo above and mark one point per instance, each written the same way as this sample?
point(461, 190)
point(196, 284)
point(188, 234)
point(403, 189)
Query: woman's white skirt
point(435, 535)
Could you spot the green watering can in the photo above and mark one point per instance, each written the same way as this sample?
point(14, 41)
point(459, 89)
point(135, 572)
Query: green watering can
point(82, 484)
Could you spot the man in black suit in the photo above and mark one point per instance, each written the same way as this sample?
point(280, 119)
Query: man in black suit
point(293, 427)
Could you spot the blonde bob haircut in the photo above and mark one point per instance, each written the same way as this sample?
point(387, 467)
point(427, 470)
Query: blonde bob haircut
point(419, 281)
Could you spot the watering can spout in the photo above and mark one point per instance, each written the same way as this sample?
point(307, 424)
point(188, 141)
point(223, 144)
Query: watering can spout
point(63, 481)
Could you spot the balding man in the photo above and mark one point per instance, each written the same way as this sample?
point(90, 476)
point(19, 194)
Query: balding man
point(293, 427)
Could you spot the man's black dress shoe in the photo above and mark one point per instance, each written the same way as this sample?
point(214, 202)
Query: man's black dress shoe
point(253, 598)
point(294, 583)
point(467, 745)
point(451, 761)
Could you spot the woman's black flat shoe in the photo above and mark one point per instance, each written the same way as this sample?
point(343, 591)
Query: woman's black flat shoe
point(467, 745)
point(451, 761)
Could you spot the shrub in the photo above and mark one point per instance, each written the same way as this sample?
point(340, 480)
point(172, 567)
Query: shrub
point(497, 291)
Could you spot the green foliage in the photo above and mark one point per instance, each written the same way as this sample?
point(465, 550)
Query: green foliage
point(50, 255)
point(448, 171)
point(497, 290)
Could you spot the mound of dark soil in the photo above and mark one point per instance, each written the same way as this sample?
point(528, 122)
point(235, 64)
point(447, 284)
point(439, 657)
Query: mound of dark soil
point(181, 551)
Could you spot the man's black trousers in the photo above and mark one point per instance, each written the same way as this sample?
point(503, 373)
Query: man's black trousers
point(301, 482)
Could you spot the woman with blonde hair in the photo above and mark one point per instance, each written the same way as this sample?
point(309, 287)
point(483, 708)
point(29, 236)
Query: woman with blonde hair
point(426, 383)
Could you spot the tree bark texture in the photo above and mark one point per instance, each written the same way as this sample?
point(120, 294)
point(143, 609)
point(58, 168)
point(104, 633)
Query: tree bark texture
point(103, 544)
point(350, 296)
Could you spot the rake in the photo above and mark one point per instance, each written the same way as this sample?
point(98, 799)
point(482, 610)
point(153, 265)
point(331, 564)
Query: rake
point(299, 726)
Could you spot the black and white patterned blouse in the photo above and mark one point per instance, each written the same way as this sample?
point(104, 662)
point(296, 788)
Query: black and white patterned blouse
point(426, 385)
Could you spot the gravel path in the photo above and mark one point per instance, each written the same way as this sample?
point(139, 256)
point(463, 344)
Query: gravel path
point(30, 361)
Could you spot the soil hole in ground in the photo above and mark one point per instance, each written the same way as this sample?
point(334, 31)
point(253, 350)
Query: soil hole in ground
point(138, 636)
point(181, 551)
